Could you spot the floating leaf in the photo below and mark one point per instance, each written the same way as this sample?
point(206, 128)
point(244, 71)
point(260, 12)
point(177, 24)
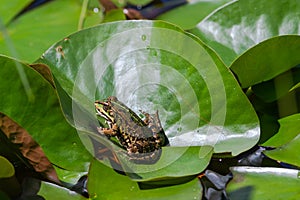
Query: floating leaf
point(264, 183)
point(240, 25)
point(114, 15)
point(272, 57)
point(7, 6)
point(289, 129)
point(149, 66)
point(102, 178)
point(51, 191)
point(189, 15)
point(171, 163)
point(33, 32)
point(288, 153)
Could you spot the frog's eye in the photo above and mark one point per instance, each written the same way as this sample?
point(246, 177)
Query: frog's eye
point(106, 108)
point(112, 98)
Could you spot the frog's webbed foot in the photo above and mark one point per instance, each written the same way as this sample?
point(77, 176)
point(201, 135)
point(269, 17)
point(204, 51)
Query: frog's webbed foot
point(147, 117)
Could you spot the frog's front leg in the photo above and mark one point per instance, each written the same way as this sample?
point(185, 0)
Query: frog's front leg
point(109, 132)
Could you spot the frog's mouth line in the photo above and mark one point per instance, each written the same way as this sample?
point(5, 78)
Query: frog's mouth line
point(101, 111)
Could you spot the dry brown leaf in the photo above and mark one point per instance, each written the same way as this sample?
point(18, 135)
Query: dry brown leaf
point(29, 148)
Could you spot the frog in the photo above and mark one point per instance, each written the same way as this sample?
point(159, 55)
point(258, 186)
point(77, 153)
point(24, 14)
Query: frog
point(141, 138)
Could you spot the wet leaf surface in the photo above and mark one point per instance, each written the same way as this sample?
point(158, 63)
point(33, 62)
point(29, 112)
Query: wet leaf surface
point(102, 178)
point(272, 57)
point(240, 25)
point(288, 153)
point(189, 15)
point(289, 129)
point(264, 183)
point(32, 33)
point(188, 86)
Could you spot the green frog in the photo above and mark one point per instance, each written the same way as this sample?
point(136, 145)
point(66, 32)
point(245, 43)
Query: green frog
point(142, 139)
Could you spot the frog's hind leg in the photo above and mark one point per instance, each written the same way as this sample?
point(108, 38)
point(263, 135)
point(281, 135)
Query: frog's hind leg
point(145, 158)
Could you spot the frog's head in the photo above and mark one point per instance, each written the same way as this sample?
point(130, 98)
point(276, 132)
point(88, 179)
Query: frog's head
point(104, 110)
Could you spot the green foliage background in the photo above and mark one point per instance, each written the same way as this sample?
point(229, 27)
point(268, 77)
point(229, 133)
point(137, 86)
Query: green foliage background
point(252, 45)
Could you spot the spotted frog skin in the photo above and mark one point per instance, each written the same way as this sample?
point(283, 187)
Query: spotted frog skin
point(142, 139)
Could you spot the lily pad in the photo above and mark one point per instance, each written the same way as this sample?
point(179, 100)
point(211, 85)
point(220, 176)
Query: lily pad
point(170, 164)
point(149, 66)
point(272, 57)
point(288, 153)
point(51, 191)
point(104, 183)
point(240, 25)
point(7, 6)
point(32, 33)
point(289, 129)
point(189, 15)
point(264, 183)
point(286, 141)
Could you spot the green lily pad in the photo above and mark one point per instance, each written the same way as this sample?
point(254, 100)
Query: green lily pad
point(289, 129)
point(32, 33)
point(7, 6)
point(104, 183)
point(263, 183)
point(286, 141)
point(33, 104)
point(149, 66)
point(272, 57)
point(190, 14)
point(171, 163)
point(240, 25)
point(114, 15)
point(51, 191)
point(288, 153)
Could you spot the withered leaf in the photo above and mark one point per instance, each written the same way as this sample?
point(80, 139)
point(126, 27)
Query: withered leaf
point(29, 148)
